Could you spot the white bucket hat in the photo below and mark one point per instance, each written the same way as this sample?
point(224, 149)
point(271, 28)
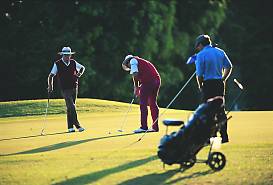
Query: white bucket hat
point(66, 51)
point(124, 63)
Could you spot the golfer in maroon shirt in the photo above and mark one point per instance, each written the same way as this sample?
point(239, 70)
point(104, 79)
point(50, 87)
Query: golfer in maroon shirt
point(146, 86)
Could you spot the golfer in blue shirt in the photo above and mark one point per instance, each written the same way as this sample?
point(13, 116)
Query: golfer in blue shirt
point(213, 68)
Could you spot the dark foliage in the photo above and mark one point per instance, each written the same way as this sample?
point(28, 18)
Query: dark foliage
point(104, 32)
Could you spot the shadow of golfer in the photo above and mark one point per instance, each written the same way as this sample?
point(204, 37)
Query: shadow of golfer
point(38, 135)
point(153, 178)
point(160, 178)
point(95, 176)
point(65, 145)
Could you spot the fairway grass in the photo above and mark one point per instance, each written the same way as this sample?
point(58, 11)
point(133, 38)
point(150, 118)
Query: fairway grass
point(97, 157)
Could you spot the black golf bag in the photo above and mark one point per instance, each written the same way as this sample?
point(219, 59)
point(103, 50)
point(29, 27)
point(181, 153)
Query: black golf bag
point(182, 146)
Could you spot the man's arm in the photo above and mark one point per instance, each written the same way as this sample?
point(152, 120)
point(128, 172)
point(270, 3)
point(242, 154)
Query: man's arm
point(50, 82)
point(200, 81)
point(80, 72)
point(80, 68)
point(227, 67)
point(51, 75)
point(136, 83)
point(226, 73)
point(199, 64)
point(133, 63)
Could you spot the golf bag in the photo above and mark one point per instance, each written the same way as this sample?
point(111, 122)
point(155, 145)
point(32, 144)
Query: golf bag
point(182, 146)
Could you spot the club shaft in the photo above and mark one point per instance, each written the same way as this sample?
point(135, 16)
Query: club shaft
point(45, 116)
point(234, 102)
point(126, 115)
point(240, 86)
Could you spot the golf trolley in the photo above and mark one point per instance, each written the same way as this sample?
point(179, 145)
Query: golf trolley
point(181, 147)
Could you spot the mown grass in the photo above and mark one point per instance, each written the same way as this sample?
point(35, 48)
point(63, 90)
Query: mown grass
point(97, 157)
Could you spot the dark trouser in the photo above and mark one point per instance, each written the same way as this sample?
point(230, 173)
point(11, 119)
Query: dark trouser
point(70, 96)
point(212, 88)
point(148, 96)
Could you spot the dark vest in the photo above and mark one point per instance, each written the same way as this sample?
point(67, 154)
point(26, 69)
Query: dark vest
point(67, 74)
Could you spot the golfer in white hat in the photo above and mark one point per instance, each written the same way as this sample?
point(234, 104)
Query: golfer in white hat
point(68, 72)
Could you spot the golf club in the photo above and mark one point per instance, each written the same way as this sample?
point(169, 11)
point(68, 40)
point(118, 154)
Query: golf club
point(126, 115)
point(47, 105)
point(238, 96)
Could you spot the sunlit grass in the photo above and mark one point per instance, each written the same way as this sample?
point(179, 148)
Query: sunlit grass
point(97, 157)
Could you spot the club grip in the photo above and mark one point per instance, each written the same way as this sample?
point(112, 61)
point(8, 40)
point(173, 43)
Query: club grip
point(238, 84)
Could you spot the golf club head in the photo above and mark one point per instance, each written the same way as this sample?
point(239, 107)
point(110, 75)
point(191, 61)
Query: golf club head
point(125, 116)
point(42, 132)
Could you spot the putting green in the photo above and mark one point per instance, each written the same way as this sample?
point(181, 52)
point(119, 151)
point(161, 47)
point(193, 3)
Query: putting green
point(97, 157)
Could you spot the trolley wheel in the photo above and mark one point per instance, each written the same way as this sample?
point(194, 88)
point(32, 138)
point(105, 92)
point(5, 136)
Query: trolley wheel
point(188, 164)
point(216, 161)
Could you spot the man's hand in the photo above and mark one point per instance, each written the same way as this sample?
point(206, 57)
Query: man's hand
point(78, 74)
point(137, 91)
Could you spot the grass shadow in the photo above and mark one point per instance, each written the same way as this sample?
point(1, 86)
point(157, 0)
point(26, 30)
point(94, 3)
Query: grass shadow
point(194, 175)
point(65, 145)
point(32, 136)
point(160, 178)
point(153, 178)
point(95, 176)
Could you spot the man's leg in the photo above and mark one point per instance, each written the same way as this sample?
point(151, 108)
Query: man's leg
point(143, 105)
point(67, 94)
point(222, 117)
point(74, 112)
point(154, 112)
point(216, 88)
point(153, 105)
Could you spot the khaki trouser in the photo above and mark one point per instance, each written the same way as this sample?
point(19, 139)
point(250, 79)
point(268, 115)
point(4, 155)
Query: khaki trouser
point(70, 96)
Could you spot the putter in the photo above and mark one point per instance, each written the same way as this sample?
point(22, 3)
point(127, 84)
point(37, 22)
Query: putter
point(47, 105)
point(126, 115)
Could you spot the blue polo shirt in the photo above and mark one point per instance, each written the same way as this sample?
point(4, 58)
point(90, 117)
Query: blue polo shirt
point(210, 62)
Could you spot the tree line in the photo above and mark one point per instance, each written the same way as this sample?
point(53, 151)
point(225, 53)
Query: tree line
point(104, 32)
